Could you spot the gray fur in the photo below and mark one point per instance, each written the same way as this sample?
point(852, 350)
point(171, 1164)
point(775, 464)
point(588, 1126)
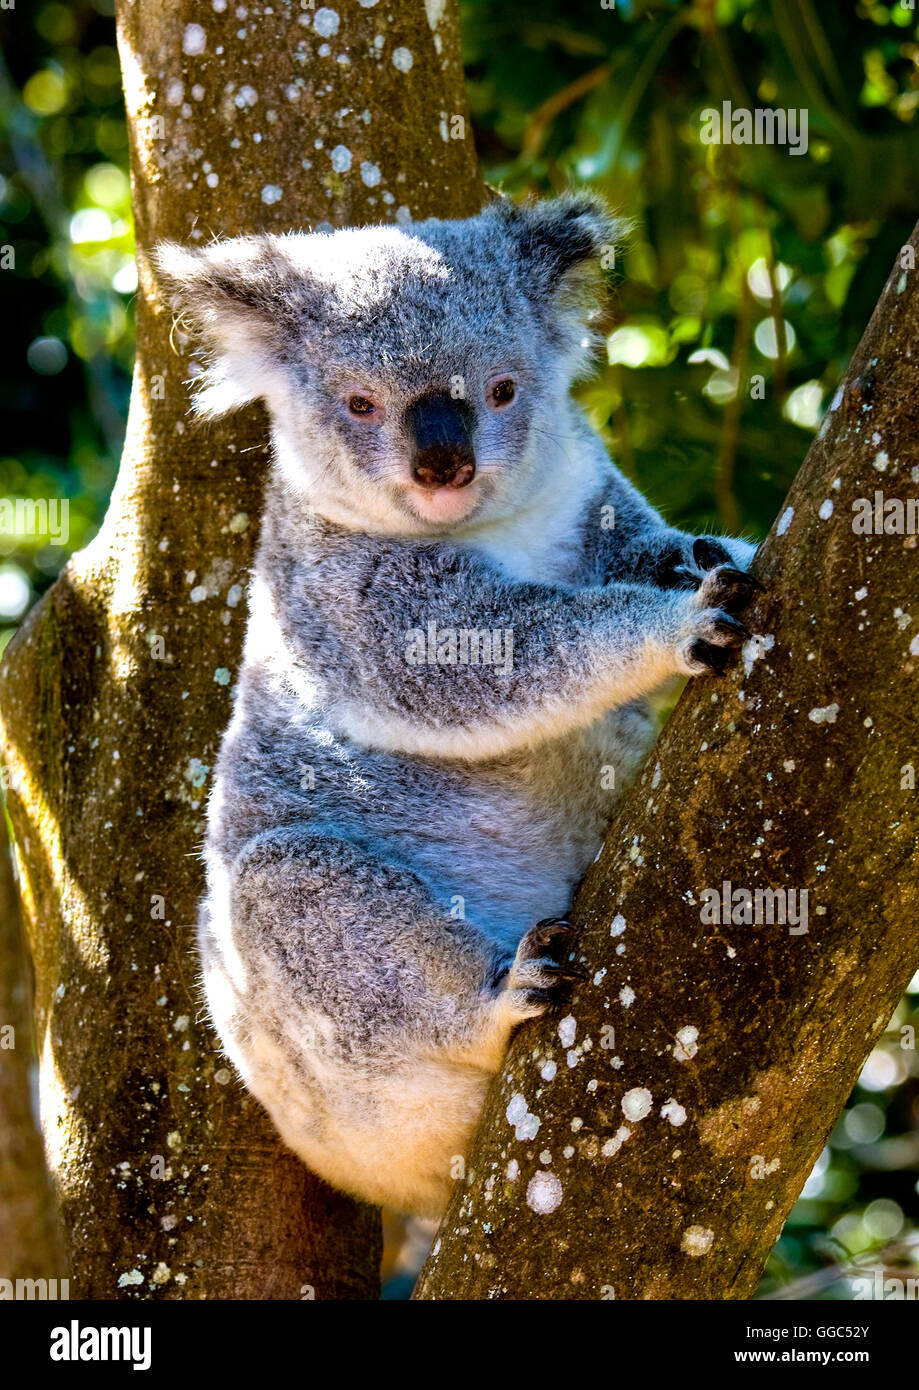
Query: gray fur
point(383, 835)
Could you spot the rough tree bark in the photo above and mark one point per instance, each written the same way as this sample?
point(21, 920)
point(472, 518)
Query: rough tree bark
point(649, 1140)
point(116, 690)
point(31, 1244)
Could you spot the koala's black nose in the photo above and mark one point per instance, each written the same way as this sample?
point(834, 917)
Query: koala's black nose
point(441, 428)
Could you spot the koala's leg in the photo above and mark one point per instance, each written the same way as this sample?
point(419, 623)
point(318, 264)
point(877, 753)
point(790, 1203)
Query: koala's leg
point(366, 1020)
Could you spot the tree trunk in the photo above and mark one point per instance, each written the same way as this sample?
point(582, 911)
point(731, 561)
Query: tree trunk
point(31, 1246)
point(649, 1140)
point(116, 691)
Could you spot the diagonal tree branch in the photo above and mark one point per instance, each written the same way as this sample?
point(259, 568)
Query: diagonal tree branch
point(650, 1141)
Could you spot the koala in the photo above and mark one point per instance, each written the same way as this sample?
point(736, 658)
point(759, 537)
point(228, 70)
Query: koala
point(449, 646)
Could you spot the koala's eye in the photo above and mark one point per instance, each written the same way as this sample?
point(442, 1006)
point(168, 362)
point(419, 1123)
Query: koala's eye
point(502, 392)
point(360, 405)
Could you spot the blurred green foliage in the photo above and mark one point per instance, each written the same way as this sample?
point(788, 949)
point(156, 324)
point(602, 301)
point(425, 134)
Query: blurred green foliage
point(742, 289)
point(745, 262)
point(65, 211)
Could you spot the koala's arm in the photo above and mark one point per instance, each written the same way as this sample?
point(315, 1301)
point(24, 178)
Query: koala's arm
point(353, 618)
point(627, 540)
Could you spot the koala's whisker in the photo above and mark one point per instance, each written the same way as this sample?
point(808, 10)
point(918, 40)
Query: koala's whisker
point(384, 472)
point(560, 440)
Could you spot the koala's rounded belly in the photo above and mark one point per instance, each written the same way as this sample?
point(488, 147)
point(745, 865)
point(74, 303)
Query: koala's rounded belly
point(538, 822)
point(501, 843)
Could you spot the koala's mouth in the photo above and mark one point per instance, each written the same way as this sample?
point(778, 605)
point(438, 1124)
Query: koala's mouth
point(444, 505)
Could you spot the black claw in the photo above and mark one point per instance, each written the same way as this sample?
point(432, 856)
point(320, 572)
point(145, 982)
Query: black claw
point(542, 996)
point(544, 950)
point(736, 576)
point(563, 972)
point(715, 658)
point(554, 990)
point(708, 554)
point(731, 588)
point(731, 626)
point(548, 938)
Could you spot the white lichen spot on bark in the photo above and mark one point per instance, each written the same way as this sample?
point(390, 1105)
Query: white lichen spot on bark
point(757, 646)
point(686, 1045)
point(674, 1112)
point(518, 1114)
point(194, 40)
point(544, 1193)
point(567, 1029)
point(636, 1104)
point(612, 1146)
point(326, 23)
point(697, 1240)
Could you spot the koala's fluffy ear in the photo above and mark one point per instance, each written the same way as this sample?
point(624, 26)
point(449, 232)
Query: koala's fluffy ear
point(562, 235)
point(239, 298)
point(562, 244)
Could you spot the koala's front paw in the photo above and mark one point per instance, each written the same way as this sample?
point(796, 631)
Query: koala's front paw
point(541, 974)
point(708, 552)
point(711, 631)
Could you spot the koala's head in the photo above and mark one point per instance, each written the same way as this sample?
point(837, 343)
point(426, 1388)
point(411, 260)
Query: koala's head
point(414, 376)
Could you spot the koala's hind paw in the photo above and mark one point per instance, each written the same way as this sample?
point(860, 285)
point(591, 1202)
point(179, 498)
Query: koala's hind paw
point(713, 630)
point(541, 973)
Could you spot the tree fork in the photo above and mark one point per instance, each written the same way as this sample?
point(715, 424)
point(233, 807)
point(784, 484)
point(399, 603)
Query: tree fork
point(115, 692)
point(649, 1140)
